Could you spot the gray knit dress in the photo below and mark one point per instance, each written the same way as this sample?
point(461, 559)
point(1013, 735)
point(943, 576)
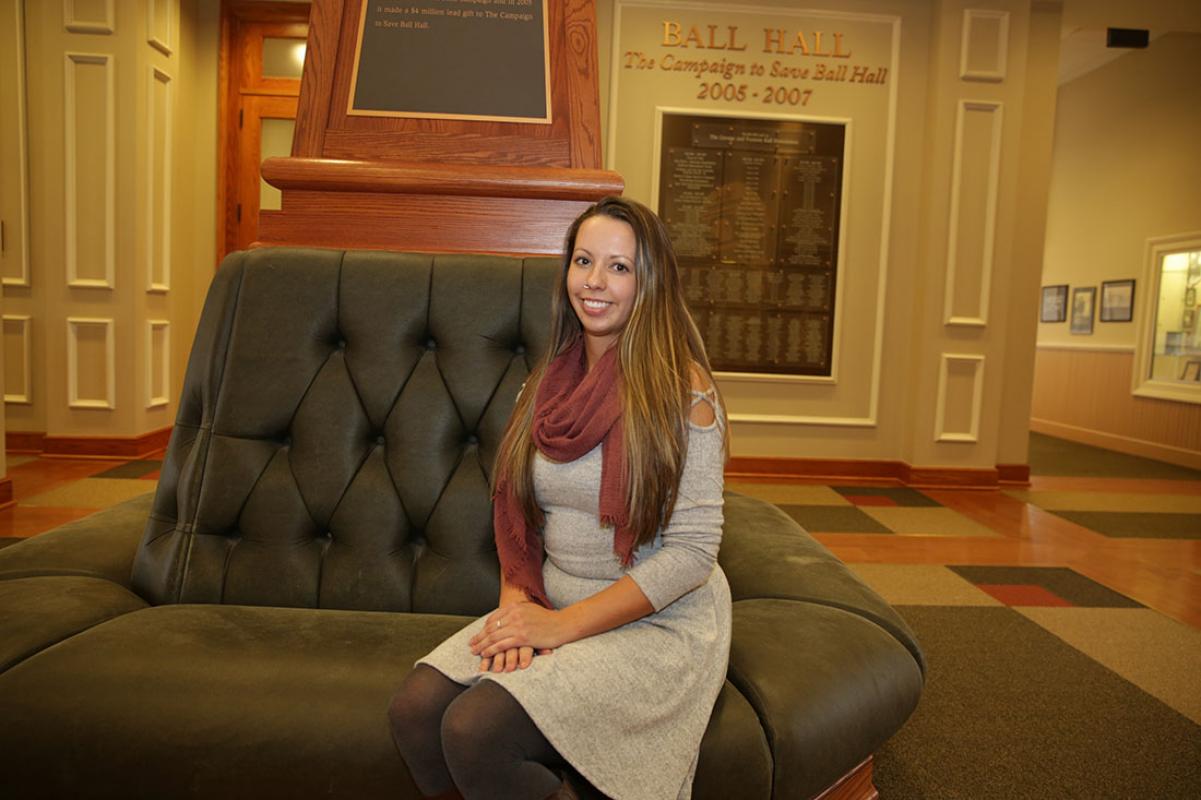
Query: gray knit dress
point(626, 708)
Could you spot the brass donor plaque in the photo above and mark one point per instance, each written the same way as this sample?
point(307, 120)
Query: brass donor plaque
point(452, 59)
point(753, 207)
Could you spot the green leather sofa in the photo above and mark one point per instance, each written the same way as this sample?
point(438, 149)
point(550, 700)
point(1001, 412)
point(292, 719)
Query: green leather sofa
point(323, 519)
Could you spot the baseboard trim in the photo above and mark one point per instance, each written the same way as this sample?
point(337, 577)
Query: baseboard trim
point(1123, 444)
point(792, 468)
point(1013, 474)
point(869, 471)
point(99, 447)
point(23, 442)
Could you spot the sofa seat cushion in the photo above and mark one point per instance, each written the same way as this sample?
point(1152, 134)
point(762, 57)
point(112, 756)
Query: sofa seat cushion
point(829, 686)
point(42, 611)
point(767, 555)
point(215, 701)
point(735, 760)
point(254, 702)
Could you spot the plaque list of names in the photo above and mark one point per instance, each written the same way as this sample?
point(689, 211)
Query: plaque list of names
point(752, 208)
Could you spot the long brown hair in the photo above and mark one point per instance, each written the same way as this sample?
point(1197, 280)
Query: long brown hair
point(658, 350)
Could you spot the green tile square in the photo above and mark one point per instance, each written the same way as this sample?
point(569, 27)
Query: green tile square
point(903, 496)
point(833, 519)
point(1136, 525)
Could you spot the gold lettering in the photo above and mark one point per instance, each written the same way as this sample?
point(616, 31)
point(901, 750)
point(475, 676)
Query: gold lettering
point(838, 47)
point(694, 35)
point(800, 42)
point(817, 44)
point(733, 29)
point(773, 37)
point(713, 45)
point(671, 33)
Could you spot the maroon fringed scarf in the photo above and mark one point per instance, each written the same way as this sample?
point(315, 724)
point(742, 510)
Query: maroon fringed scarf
point(574, 411)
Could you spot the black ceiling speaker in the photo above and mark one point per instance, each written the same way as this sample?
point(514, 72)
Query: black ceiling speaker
point(1127, 37)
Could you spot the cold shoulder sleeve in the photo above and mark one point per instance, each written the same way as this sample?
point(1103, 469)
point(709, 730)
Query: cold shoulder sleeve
point(688, 544)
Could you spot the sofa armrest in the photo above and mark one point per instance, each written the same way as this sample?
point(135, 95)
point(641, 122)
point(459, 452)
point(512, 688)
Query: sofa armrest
point(828, 686)
point(767, 555)
point(101, 545)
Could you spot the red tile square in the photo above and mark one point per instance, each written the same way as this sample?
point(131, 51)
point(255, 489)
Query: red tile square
point(1023, 594)
point(870, 500)
point(150, 476)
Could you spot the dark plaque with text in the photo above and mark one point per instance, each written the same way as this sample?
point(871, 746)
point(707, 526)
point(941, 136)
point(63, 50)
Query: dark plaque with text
point(752, 207)
point(452, 59)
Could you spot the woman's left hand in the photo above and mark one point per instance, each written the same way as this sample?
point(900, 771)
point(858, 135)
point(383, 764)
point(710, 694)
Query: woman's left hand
point(521, 625)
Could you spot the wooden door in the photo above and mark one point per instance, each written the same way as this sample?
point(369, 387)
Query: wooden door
point(262, 52)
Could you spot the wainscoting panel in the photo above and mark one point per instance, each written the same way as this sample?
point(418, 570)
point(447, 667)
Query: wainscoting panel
point(88, 16)
point(90, 363)
point(158, 171)
point(975, 177)
point(983, 53)
point(1085, 395)
point(159, 24)
point(960, 398)
point(158, 362)
point(91, 170)
point(17, 376)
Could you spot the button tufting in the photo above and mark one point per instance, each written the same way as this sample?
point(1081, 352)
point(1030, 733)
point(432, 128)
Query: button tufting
point(341, 344)
point(379, 439)
point(519, 349)
point(473, 439)
point(287, 441)
point(431, 345)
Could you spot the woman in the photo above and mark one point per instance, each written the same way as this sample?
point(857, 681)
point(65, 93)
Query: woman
point(609, 655)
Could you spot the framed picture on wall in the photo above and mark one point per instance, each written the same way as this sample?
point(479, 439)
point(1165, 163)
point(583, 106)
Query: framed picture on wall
point(1054, 307)
point(1190, 297)
point(1189, 320)
point(1117, 301)
point(1084, 298)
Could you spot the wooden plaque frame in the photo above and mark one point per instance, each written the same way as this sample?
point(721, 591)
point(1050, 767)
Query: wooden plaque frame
point(438, 185)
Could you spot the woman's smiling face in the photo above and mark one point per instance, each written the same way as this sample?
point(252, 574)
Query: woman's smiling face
point(601, 282)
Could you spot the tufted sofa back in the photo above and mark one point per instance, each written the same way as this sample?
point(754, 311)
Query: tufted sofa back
point(336, 432)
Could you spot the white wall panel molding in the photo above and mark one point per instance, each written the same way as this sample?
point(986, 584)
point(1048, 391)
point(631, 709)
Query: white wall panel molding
point(1086, 348)
point(90, 187)
point(954, 371)
point(158, 190)
point(14, 244)
point(18, 378)
point(158, 362)
point(983, 51)
point(971, 232)
point(160, 23)
point(796, 419)
point(102, 22)
point(80, 333)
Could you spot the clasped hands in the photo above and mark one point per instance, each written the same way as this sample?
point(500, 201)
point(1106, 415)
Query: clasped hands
point(512, 634)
